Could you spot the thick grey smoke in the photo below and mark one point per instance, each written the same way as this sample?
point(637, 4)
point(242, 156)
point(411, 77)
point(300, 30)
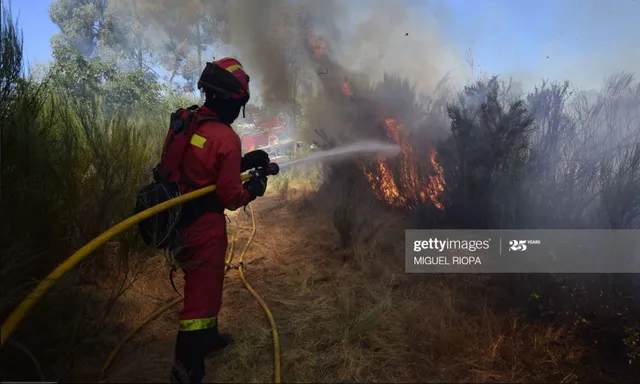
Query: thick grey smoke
point(389, 37)
point(369, 37)
point(253, 31)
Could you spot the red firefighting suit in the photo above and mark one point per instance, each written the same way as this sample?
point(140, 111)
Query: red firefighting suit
point(213, 157)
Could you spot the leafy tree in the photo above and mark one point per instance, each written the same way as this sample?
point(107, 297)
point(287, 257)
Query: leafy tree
point(80, 77)
point(187, 28)
point(129, 32)
point(11, 62)
point(129, 92)
point(82, 24)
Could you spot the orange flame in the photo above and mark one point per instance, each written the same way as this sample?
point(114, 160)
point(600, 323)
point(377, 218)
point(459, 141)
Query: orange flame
point(346, 89)
point(384, 185)
point(413, 180)
point(436, 185)
point(417, 184)
point(317, 44)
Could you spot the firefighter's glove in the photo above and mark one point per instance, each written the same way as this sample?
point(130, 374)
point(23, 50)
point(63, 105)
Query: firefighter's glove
point(254, 159)
point(256, 187)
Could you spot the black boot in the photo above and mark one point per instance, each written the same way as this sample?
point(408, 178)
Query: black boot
point(189, 358)
point(192, 347)
point(179, 374)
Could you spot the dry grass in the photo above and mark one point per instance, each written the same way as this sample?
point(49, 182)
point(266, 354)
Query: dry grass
point(345, 315)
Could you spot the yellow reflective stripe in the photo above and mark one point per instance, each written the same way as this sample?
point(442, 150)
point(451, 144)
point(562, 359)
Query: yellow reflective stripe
point(234, 67)
point(198, 140)
point(197, 324)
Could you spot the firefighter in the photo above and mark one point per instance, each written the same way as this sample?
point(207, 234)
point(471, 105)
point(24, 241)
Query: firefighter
point(214, 158)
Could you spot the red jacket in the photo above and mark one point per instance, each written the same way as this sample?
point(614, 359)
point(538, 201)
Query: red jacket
point(214, 157)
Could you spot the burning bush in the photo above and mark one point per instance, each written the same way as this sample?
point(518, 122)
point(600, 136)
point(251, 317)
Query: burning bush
point(549, 159)
point(383, 112)
point(408, 181)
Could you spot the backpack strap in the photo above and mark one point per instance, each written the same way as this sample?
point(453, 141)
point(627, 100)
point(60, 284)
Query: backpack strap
point(181, 123)
point(195, 112)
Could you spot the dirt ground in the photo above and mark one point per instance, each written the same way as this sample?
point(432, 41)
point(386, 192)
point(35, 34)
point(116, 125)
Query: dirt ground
point(342, 315)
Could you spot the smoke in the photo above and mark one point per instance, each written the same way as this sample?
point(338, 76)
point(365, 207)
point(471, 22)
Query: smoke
point(252, 31)
point(362, 41)
point(580, 41)
point(365, 37)
point(404, 41)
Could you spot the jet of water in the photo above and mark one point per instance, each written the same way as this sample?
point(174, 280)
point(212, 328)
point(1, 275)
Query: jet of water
point(375, 147)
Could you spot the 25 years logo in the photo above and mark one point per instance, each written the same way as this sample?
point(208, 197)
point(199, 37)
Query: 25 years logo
point(518, 245)
point(521, 245)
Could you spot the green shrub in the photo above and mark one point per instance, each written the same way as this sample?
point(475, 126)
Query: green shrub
point(70, 170)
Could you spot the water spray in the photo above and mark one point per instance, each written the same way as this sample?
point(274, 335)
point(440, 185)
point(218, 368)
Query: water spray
point(375, 147)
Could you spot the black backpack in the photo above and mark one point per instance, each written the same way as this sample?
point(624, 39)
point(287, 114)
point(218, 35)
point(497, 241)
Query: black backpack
point(162, 231)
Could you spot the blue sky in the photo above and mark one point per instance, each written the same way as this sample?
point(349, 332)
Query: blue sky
point(37, 28)
point(580, 40)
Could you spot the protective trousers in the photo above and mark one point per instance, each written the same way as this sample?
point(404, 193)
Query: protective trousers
point(203, 261)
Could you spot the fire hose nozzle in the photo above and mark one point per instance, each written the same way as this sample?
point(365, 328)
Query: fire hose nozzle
point(273, 169)
point(270, 170)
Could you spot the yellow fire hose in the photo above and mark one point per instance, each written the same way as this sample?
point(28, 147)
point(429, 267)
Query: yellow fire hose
point(272, 322)
point(21, 311)
point(152, 317)
point(274, 329)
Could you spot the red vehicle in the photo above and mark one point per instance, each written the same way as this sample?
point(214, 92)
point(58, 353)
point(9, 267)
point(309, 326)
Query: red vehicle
point(269, 136)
